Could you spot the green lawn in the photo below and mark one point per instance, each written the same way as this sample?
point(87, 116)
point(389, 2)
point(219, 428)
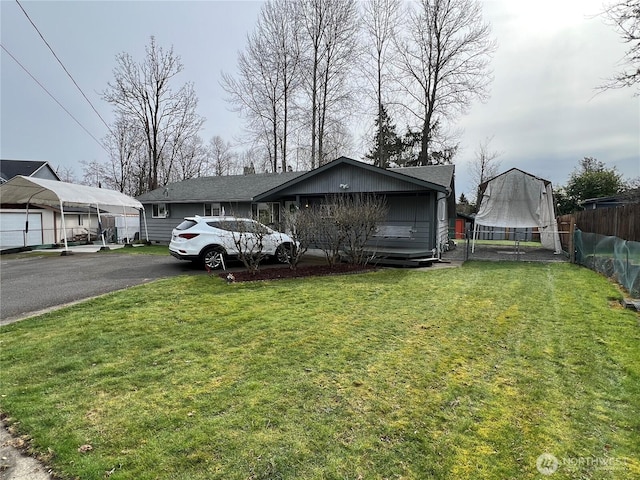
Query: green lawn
point(467, 373)
point(140, 250)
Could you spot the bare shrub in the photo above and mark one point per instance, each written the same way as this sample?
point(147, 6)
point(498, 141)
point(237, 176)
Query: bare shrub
point(301, 227)
point(345, 223)
point(359, 216)
point(248, 238)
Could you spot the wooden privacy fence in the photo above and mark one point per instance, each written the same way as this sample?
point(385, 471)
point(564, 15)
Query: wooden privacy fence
point(622, 222)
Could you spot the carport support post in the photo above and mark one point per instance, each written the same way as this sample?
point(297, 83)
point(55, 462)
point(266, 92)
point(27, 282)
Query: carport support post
point(475, 234)
point(64, 232)
point(26, 228)
point(126, 228)
point(144, 218)
point(104, 246)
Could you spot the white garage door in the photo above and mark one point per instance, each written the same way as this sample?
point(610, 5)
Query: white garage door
point(12, 228)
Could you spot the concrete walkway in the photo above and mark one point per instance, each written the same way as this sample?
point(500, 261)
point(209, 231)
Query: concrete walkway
point(14, 465)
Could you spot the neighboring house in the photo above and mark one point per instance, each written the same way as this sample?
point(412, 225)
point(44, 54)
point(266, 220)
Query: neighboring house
point(628, 197)
point(26, 168)
point(421, 200)
point(13, 217)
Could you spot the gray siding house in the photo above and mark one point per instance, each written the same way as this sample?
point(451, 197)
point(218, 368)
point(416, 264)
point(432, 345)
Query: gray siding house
point(165, 207)
point(421, 201)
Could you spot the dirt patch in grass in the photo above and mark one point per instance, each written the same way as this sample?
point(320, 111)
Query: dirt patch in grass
point(278, 273)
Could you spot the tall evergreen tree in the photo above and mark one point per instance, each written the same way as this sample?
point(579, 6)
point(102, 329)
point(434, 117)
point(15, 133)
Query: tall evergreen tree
point(388, 145)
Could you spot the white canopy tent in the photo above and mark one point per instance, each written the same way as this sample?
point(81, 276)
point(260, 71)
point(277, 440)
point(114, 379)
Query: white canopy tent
point(39, 191)
point(517, 199)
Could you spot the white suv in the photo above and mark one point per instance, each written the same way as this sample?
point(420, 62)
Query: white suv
point(210, 240)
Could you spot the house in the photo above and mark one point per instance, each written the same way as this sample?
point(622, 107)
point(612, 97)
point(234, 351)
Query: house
point(631, 196)
point(26, 168)
point(165, 207)
point(420, 201)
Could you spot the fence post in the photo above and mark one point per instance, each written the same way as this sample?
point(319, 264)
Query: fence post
point(466, 253)
point(572, 248)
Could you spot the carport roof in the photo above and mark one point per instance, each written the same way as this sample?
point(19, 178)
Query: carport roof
point(39, 191)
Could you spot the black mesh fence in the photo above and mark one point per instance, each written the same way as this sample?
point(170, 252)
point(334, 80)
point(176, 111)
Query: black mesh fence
point(616, 258)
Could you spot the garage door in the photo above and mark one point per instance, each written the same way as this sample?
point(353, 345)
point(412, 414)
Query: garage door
point(12, 227)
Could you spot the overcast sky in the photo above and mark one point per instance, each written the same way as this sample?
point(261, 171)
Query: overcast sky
point(544, 113)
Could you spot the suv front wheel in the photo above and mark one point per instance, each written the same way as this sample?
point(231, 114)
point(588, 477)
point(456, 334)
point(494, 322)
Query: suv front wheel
point(212, 258)
point(283, 253)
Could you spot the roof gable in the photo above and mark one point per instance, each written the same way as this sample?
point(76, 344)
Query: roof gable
point(26, 168)
point(346, 174)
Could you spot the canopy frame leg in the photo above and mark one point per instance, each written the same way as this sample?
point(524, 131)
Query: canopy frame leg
point(66, 250)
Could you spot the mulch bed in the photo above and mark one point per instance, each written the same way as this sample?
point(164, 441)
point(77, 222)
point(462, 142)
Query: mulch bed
point(278, 273)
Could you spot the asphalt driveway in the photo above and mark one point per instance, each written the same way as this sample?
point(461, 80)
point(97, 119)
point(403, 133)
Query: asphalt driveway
point(37, 283)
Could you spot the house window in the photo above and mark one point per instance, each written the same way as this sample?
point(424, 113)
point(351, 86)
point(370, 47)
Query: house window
point(266, 213)
point(159, 210)
point(212, 210)
point(328, 210)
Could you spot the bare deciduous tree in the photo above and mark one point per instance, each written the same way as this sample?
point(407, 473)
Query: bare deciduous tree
point(329, 40)
point(125, 169)
point(268, 77)
point(143, 94)
point(484, 166)
point(191, 159)
point(221, 156)
point(93, 173)
point(443, 62)
point(65, 173)
point(624, 15)
point(380, 19)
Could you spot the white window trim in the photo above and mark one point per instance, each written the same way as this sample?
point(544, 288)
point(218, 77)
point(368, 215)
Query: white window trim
point(212, 208)
point(157, 212)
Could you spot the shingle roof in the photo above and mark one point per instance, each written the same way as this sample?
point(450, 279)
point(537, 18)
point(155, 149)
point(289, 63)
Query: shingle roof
point(231, 188)
point(438, 174)
point(243, 188)
point(12, 168)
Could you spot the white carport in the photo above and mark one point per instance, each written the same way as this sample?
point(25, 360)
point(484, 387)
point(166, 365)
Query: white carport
point(517, 199)
point(43, 192)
